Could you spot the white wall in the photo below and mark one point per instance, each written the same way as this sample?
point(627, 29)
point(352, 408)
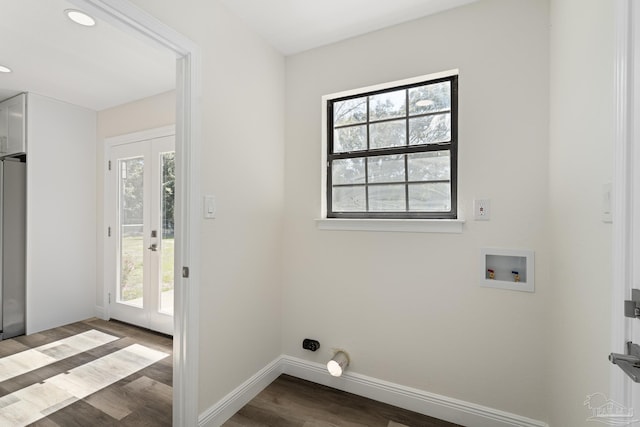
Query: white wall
point(581, 158)
point(148, 113)
point(242, 165)
point(410, 309)
point(61, 212)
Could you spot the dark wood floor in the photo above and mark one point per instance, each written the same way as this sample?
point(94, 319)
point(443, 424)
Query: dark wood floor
point(143, 398)
point(292, 402)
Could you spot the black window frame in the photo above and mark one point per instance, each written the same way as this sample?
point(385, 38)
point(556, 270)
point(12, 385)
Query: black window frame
point(451, 146)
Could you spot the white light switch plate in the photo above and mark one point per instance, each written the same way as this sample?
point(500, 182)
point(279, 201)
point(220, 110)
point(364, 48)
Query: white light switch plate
point(607, 190)
point(209, 206)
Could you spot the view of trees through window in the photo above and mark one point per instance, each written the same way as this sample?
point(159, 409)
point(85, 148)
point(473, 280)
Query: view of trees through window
point(392, 153)
point(168, 193)
point(132, 219)
point(131, 234)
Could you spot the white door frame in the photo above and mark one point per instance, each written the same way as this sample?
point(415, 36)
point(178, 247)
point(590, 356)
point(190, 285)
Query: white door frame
point(134, 20)
point(623, 196)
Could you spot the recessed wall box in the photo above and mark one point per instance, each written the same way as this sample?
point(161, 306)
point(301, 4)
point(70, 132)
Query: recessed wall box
point(507, 269)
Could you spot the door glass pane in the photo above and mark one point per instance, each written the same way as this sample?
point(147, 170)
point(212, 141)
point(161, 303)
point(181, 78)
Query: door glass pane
point(131, 207)
point(167, 201)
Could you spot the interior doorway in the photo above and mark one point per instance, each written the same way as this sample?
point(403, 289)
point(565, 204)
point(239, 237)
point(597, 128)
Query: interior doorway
point(135, 21)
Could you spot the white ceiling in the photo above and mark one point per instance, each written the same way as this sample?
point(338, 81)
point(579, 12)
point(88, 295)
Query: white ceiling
point(293, 26)
point(97, 67)
point(102, 66)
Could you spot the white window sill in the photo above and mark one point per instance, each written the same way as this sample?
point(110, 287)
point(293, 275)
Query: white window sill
point(398, 225)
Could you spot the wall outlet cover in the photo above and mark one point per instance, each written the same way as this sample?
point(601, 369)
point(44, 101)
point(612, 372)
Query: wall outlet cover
point(482, 209)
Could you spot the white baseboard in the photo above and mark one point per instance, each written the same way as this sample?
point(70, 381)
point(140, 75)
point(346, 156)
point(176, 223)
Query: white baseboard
point(431, 404)
point(216, 415)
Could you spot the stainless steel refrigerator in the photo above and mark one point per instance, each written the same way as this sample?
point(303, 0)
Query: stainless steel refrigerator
point(13, 220)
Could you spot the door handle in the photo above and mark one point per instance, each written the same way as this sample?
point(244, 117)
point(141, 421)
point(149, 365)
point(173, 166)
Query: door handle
point(630, 362)
point(153, 247)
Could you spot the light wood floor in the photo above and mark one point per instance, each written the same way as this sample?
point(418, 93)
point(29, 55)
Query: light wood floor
point(292, 402)
point(141, 398)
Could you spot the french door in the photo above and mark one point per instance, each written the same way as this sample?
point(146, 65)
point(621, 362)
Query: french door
point(140, 199)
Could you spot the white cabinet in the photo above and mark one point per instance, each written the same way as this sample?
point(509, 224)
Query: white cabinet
point(13, 125)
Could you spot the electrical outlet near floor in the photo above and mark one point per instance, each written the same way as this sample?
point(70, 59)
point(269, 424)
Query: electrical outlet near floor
point(482, 209)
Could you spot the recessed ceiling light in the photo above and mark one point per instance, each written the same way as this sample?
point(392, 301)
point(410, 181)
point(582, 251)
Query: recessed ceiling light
point(80, 17)
point(4, 69)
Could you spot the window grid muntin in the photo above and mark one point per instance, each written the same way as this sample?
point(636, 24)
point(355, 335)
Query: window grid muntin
point(414, 116)
point(406, 149)
point(377, 184)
